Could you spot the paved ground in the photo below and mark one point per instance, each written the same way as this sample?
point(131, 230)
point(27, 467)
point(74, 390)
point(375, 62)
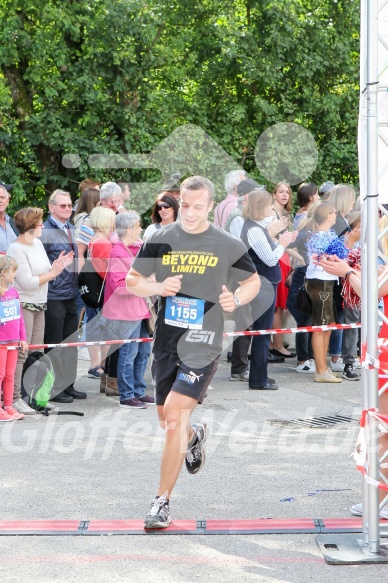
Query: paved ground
point(105, 466)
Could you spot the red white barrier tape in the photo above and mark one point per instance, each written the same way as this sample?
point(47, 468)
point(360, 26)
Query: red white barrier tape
point(360, 453)
point(226, 335)
point(324, 328)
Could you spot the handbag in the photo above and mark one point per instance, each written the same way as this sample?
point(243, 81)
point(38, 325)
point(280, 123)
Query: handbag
point(288, 280)
point(91, 285)
point(151, 320)
point(303, 301)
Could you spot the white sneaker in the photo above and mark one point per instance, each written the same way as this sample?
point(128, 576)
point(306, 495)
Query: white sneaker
point(83, 353)
point(306, 367)
point(22, 407)
point(356, 509)
point(337, 366)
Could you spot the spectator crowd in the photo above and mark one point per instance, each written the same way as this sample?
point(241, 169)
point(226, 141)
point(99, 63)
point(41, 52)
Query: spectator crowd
point(41, 260)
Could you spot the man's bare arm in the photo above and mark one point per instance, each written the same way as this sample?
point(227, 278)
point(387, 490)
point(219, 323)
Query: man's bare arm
point(339, 267)
point(246, 292)
point(141, 286)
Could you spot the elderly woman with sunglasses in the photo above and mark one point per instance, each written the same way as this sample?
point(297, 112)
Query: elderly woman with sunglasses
point(164, 213)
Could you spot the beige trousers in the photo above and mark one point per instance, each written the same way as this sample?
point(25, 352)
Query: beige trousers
point(34, 323)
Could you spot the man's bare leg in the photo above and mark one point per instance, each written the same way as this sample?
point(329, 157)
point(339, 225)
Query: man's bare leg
point(175, 417)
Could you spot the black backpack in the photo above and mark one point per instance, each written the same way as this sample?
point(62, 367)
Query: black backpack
point(38, 380)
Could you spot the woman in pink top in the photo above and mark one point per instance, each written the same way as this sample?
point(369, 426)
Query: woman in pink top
point(124, 315)
point(12, 333)
point(102, 221)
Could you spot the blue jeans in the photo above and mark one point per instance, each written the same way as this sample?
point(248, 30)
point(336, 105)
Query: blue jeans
point(140, 363)
point(260, 344)
point(335, 345)
point(133, 356)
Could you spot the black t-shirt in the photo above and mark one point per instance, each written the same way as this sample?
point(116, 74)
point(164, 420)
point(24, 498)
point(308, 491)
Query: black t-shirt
point(300, 244)
point(341, 227)
point(194, 316)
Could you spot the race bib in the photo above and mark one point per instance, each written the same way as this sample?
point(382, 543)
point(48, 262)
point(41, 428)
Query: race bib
point(9, 310)
point(184, 312)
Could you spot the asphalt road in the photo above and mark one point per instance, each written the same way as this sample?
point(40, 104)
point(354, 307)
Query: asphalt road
point(105, 466)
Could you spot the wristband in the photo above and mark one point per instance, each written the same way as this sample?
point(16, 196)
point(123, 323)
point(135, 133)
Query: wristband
point(348, 274)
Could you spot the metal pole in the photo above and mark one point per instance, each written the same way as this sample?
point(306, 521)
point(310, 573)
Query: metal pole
point(370, 292)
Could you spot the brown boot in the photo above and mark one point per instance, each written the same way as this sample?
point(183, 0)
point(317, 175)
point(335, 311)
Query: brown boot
point(111, 389)
point(103, 380)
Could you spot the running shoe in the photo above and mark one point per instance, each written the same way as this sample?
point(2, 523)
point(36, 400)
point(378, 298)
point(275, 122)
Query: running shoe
point(93, 373)
point(307, 367)
point(349, 373)
point(147, 399)
point(133, 404)
point(4, 416)
point(22, 407)
point(159, 514)
point(337, 366)
point(14, 413)
point(83, 353)
point(240, 376)
point(195, 455)
point(356, 509)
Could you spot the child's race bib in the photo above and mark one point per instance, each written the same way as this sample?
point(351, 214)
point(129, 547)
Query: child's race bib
point(9, 310)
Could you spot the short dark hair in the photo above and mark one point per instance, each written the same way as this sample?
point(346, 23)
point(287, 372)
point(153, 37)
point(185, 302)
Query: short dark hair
point(88, 183)
point(198, 183)
point(305, 191)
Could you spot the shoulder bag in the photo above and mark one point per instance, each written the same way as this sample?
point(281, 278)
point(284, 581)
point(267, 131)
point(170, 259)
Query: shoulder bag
point(303, 301)
point(91, 285)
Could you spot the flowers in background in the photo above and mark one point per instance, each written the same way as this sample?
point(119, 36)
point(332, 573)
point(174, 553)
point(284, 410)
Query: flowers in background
point(322, 243)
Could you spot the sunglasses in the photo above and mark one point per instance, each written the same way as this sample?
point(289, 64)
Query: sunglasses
point(163, 205)
point(63, 206)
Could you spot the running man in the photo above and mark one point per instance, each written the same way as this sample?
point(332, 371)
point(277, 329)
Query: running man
point(192, 261)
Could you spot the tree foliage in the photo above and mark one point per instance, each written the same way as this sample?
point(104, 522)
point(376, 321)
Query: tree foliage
point(118, 76)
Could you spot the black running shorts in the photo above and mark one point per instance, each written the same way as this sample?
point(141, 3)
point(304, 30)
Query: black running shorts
point(171, 374)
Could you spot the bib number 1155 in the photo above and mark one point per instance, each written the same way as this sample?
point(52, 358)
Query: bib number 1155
point(184, 312)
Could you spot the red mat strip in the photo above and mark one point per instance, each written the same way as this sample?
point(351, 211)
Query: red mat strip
point(258, 526)
point(345, 524)
point(131, 526)
point(263, 524)
point(33, 526)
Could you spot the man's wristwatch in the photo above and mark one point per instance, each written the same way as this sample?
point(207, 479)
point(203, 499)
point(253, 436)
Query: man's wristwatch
point(237, 302)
